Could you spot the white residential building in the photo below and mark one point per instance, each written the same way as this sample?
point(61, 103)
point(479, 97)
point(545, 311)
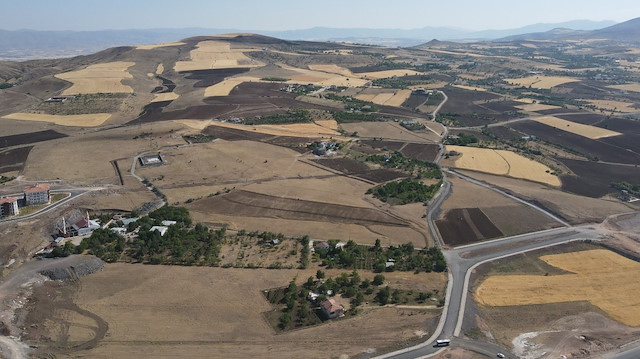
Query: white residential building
point(8, 206)
point(37, 194)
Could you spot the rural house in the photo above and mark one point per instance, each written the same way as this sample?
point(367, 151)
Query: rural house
point(332, 309)
point(8, 206)
point(36, 194)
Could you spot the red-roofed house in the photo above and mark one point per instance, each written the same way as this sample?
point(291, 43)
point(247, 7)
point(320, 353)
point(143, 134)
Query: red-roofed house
point(332, 309)
point(8, 206)
point(36, 194)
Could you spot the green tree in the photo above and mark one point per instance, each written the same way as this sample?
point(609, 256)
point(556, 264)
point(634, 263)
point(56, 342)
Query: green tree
point(378, 279)
point(382, 296)
point(319, 274)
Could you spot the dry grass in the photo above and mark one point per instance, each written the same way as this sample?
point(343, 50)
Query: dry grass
point(194, 312)
point(542, 82)
point(195, 124)
point(334, 69)
point(155, 46)
point(225, 87)
point(320, 78)
point(215, 55)
point(159, 69)
point(610, 105)
point(533, 107)
point(587, 131)
point(88, 120)
point(604, 278)
point(635, 87)
point(167, 96)
point(297, 130)
point(502, 162)
point(100, 78)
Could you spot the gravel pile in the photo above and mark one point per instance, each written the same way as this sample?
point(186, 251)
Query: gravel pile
point(84, 266)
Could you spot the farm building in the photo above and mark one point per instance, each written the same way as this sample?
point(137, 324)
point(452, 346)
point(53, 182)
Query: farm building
point(161, 229)
point(332, 309)
point(322, 245)
point(151, 160)
point(85, 226)
point(8, 206)
point(36, 194)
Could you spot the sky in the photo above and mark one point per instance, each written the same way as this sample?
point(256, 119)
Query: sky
point(80, 15)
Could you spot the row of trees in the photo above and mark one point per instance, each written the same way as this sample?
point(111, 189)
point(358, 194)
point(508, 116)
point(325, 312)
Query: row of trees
point(405, 191)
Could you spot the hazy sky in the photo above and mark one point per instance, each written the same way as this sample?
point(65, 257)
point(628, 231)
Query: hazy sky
point(301, 14)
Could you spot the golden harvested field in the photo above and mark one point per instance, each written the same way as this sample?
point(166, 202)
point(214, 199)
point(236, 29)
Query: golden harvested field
point(398, 98)
point(195, 311)
point(379, 99)
point(635, 87)
point(167, 96)
point(501, 162)
point(320, 78)
point(215, 55)
point(388, 130)
point(330, 124)
point(159, 69)
point(470, 88)
point(155, 46)
point(610, 105)
point(602, 277)
point(100, 78)
point(587, 131)
point(88, 120)
point(576, 209)
point(334, 69)
point(224, 88)
point(195, 124)
point(533, 107)
point(387, 73)
point(543, 82)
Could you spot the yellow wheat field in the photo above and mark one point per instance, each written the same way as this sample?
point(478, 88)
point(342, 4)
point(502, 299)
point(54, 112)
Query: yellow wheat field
point(635, 87)
point(155, 46)
point(610, 105)
point(398, 98)
point(215, 55)
point(159, 69)
point(501, 162)
point(470, 88)
point(100, 78)
point(330, 124)
point(604, 278)
point(542, 82)
point(88, 120)
point(533, 107)
point(225, 87)
point(591, 132)
point(297, 130)
point(169, 96)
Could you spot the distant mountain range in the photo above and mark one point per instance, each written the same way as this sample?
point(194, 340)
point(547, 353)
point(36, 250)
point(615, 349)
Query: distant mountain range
point(628, 31)
point(30, 44)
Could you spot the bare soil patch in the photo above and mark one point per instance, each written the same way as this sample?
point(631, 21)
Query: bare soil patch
point(352, 167)
point(28, 138)
point(466, 225)
point(593, 179)
point(421, 151)
point(14, 159)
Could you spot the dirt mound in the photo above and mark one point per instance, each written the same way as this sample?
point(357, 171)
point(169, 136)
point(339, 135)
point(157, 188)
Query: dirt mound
point(88, 265)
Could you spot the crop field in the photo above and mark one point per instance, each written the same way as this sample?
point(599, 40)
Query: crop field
point(320, 78)
point(155, 46)
point(250, 204)
point(215, 55)
point(536, 107)
point(206, 78)
point(358, 169)
point(600, 148)
point(466, 225)
point(374, 75)
point(502, 162)
point(635, 87)
point(14, 159)
point(594, 179)
point(602, 277)
point(542, 82)
point(388, 131)
point(574, 208)
point(422, 151)
point(587, 131)
point(470, 88)
point(185, 314)
point(167, 96)
point(385, 145)
point(29, 138)
point(100, 78)
point(616, 106)
point(332, 68)
point(88, 120)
